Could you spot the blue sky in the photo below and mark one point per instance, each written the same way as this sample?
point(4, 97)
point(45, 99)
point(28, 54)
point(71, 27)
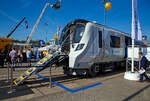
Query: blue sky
point(119, 17)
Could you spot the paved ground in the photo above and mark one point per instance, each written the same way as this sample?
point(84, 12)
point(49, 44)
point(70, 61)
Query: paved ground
point(114, 88)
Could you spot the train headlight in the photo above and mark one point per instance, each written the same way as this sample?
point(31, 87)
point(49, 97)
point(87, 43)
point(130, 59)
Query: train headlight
point(79, 47)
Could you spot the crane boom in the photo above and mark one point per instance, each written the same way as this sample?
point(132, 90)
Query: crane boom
point(56, 6)
point(15, 27)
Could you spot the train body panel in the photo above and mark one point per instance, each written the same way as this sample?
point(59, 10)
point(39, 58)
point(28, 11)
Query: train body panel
point(96, 41)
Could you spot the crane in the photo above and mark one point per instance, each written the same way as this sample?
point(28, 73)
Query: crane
point(15, 27)
point(56, 6)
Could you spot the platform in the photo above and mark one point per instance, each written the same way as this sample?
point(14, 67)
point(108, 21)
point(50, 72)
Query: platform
point(114, 88)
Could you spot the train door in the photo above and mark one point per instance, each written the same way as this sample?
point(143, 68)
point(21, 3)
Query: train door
point(127, 43)
point(106, 50)
point(100, 43)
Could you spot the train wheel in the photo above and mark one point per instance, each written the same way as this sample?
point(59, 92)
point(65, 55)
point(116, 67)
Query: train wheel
point(93, 71)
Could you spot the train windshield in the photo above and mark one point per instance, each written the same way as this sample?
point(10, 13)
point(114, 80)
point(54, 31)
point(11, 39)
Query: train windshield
point(72, 33)
point(78, 32)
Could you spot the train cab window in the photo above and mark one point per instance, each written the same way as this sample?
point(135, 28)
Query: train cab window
point(100, 39)
point(79, 30)
point(114, 42)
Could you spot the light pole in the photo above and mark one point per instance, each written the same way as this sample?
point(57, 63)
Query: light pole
point(104, 14)
point(46, 24)
point(107, 6)
point(56, 6)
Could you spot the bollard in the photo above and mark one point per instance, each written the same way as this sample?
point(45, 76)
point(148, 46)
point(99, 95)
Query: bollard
point(126, 64)
point(11, 81)
point(8, 66)
point(50, 78)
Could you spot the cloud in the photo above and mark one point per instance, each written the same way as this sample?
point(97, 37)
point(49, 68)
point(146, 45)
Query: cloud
point(9, 17)
point(2, 35)
point(26, 3)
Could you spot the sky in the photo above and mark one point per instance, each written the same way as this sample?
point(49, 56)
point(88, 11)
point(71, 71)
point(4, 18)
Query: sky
point(119, 17)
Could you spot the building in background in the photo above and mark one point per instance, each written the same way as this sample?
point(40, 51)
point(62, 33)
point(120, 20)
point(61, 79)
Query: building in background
point(144, 37)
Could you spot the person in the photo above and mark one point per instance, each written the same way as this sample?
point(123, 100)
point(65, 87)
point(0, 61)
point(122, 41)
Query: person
point(24, 55)
point(13, 55)
point(143, 67)
point(20, 56)
point(1, 58)
point(28, 54)
point(37, 53)
point(8, 58)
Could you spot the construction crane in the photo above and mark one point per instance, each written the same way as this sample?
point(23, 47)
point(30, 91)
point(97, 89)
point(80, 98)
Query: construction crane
point(15, 27)
point(56, 6)
point(6, 42)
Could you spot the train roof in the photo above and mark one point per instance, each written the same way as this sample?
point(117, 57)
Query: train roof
point(100, 25)
point(109, 28)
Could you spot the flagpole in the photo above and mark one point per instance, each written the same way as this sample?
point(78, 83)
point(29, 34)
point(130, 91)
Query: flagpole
point(104, 17)
point(132, 67)
point(133, 33)
point(133, 75)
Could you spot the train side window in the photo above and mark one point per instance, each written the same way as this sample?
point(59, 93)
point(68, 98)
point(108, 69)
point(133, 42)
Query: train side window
point(100, 39)
point(128, 41)
point(114, 42)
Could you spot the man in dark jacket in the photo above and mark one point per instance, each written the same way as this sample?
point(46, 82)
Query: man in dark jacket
point(143, 67)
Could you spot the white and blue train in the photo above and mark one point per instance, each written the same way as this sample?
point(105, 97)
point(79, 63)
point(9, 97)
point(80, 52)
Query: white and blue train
point(92, 48)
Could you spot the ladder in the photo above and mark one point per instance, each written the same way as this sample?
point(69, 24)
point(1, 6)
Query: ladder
point(48, 60)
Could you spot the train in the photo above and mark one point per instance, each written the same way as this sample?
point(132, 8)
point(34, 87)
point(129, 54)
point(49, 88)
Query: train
point(86, 48)
point(93, 48)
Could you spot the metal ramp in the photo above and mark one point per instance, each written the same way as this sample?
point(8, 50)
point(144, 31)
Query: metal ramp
point(48, 60)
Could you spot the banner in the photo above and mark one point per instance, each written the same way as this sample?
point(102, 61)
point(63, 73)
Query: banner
point(136, 27)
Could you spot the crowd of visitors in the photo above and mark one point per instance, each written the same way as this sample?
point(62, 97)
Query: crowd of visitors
point(17, 56)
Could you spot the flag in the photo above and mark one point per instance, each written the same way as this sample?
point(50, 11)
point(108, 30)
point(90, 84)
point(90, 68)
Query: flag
point(139, 31)
point(136, 27)
point(59, 27)
point(26, 24)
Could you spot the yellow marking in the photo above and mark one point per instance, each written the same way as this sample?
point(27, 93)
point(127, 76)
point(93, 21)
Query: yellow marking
point(28, 72)
point(21, 77)
point(45, 58)
point(39, 63)
point(34, 67)
point(50, 54)
point(15, 83)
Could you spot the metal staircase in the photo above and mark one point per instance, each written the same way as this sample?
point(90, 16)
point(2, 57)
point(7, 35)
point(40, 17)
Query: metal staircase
point(47, 61)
